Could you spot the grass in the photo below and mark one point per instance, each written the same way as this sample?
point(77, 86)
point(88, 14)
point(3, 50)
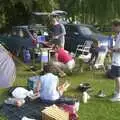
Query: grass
point(96, 108)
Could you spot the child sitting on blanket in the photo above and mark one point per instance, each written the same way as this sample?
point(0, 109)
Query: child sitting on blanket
point(48, 85)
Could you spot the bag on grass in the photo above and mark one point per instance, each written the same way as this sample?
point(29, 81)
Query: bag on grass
point(71, 110)
point(21, 93)
point(11, 89)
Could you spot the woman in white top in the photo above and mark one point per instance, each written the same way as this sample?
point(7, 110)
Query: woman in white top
point(48, 85)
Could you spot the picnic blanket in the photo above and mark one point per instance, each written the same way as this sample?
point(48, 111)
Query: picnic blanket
point(29, 109)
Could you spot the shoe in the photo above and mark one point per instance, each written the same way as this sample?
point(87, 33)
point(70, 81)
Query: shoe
point(115, 98)
point(101, 94)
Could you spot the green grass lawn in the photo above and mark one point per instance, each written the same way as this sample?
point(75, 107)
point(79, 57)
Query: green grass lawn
point(96, 108)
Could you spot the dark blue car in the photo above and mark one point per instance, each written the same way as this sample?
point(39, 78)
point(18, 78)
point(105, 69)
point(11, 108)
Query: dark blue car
point(77, 34)
point(20, 37)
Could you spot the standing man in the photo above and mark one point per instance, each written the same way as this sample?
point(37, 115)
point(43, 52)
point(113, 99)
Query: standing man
point(115, 69)
point(57, 32)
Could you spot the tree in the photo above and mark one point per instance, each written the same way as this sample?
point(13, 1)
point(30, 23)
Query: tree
point(13, 12)
point(92, 11)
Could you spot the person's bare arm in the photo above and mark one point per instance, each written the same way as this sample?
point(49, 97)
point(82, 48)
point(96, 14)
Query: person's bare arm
point(38, 86)
point(62, 88)
point(115, 49)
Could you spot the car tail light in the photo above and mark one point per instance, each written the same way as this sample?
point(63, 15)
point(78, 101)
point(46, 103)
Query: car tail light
point(34, 42)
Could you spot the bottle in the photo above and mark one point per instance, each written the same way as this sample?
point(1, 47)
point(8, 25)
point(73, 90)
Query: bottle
point(85, 97)
point(26, 55)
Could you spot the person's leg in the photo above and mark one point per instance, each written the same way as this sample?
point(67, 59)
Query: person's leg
point(91, 59)
point(116, 96)
point(116, 72)
point(118, 85)
point(70, 65)
point(113, 72)
point(95, 56)
point(58, 66)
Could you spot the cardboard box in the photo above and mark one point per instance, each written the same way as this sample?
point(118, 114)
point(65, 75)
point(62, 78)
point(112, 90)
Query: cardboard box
point(54, 113)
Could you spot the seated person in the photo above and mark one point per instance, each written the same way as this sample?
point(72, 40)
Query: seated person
point(48, 85)
point(63, 59)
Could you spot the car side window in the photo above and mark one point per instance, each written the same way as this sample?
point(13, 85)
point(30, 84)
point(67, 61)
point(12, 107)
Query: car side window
point(25, 34)
point(67, 28)
point(73, 29)
point(20, 33)
point(85, 30)
point(17, 32)
point(14, 32)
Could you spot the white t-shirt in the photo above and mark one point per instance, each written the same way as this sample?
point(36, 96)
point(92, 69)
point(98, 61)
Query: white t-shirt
point(116, 55)
point(49, 83)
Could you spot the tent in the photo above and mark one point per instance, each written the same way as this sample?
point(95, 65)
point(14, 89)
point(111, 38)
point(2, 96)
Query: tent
point(7, 69)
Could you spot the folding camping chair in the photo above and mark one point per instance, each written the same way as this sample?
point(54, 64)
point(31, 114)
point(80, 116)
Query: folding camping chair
point(83, 48)
point(82, 53)
point(100, 60)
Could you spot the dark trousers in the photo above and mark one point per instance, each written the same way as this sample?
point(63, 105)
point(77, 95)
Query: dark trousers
point(62, 100)
point(94, 56)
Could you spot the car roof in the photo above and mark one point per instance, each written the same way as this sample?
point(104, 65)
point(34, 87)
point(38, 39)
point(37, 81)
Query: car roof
point(30, 27)
point(21, 27)
point(41, 13)
point(86, 25)
point(55, 12)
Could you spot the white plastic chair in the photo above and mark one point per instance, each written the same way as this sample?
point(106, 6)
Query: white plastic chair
point(82, 55)
point(85, 55)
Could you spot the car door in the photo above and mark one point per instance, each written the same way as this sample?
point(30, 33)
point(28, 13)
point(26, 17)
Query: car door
point(13, 41)
point(73, 37)
point(26, 40)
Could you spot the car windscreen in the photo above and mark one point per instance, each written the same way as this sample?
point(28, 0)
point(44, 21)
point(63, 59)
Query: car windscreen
point(88, 30)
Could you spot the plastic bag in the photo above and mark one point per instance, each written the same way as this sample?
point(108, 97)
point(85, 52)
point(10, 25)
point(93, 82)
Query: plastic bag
point(26, 118)
point(21, 93)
